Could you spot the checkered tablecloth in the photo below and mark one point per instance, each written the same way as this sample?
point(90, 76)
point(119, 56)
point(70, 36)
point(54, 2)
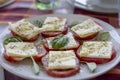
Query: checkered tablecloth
point(26, 8)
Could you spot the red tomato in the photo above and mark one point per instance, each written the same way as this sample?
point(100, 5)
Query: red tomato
point(41, 52)
point(66, 73)
point(96, 60)
point(48, 49)
point(85, 38)
point(11, 59)
point(25, 39)
point(60, 73)
point(55, 33)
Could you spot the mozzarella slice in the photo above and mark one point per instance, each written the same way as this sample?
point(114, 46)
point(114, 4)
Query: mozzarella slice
point(21, 49)
point(24, 28)
point(54, 24)
point(95, 49)
point(71, 44)
point(86, 28)
point(62, 60)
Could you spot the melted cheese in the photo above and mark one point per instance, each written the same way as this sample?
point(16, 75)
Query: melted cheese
point(71, 44)
point(54, 24)
point(86, 28)
point(24, 28)
point(21, 49)
point(61, 60)
point(94, 49)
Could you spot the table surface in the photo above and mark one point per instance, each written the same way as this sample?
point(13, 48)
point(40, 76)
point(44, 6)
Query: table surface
point(26, 8)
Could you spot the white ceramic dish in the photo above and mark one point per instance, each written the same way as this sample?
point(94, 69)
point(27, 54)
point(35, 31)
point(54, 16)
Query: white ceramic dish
point(102, 6)
point(23, 68)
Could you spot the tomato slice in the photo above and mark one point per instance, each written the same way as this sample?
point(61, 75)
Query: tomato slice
point(85, 38)
point(41, 52)
point(96, 60)
point(60, 73)
point(11, 59)
point(25, 39)
point(65, 73)
point(54, 33)
point(72, 48)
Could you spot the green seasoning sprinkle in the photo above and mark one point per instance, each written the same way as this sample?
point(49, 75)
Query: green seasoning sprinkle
point(59, 41)
point(12, 39)
point(38, 23)
point(104, 36)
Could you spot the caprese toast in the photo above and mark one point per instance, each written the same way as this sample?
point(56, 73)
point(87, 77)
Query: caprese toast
point(96, 51)
point(61, 63)
point(17, 51)
point(86, 30)
point(25, 30)
point(54, 26)
point(61, 42)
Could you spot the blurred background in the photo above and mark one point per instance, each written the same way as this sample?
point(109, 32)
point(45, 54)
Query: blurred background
point(13, 10)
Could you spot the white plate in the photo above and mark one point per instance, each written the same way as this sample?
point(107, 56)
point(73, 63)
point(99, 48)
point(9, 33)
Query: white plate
point(102, 6)
point(23, 68)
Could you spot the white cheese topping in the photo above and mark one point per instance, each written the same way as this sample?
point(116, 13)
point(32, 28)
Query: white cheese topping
point(86, 28)
point(24, 28)
point(21, 49)
point(54, 24)
point(96, 49)
point(71, 44)
point(61, 60)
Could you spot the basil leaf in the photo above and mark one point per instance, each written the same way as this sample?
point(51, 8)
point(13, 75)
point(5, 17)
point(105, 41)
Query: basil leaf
point(36, 67)
point(64, 41)
point(73, 24)
point(91, 66)
point(104, 36)
point(38, 23)
point(58, 37)
point(59, 41)
point(12, 39)
point(54, 41)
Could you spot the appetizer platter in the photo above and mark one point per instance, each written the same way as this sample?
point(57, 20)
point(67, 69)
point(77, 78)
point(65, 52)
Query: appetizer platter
point(59, 47)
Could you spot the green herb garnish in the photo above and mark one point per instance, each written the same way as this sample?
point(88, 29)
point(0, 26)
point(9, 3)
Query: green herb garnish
point(38, 23)
point(104, 36)
point(12, 39)
point(36, 67)
point(91, 65)
point(59, 41)
point(73, 24)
